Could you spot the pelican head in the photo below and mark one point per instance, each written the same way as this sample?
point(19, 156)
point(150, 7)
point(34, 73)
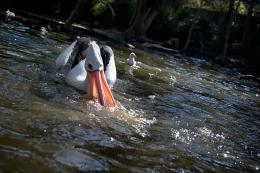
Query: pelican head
point(93, 57)
point(97, 83)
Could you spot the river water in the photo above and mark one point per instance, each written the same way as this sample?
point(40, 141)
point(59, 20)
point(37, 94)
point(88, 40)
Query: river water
point(173, 114)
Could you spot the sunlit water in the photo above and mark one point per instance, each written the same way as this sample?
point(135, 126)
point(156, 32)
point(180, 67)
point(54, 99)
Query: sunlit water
point(173, 114)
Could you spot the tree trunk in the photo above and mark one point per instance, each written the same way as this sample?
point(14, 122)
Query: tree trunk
point(74, 14)
point(247, 24)
point(229, 25)
point(189, 35)
point(141, 19)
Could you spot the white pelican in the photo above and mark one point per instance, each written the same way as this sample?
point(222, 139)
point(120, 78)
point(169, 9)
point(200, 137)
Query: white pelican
point(93, 70)
point(131, 59)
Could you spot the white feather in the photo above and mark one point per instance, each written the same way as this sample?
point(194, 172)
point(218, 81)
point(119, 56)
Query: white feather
point(94, 56)
point(77, 77)
point(110, 72)
point(63, 58)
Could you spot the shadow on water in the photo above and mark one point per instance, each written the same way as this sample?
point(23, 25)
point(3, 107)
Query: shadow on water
point(173, 115)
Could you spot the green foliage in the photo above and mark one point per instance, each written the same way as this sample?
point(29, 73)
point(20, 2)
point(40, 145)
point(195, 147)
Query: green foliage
point(242, 9)
point(124, 11)
point(56, 7)
point(99, 7)
point(214, 5)
point(175, 18)
point(177, 22)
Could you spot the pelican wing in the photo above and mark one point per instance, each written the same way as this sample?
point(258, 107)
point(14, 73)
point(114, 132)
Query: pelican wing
point(63, 58)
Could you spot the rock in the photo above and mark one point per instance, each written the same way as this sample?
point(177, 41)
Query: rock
point(152, 97)
point(130, 46)
point(79, 160)
point(160, 48)
point(250, 77)
point(235, 46)
point(172, 43)
point(111, 34)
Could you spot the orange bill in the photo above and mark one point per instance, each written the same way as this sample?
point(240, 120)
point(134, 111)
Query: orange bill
point(98, 89)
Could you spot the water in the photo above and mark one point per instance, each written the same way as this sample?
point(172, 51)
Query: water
point(173, 114)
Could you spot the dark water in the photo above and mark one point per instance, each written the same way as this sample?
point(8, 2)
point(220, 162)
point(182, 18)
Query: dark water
point(173, 115)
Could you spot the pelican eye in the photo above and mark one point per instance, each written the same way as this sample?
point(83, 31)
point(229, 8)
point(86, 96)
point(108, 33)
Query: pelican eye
point(90, 66)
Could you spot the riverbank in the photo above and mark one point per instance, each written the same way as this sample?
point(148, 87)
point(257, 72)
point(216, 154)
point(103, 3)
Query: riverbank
point(55, 24)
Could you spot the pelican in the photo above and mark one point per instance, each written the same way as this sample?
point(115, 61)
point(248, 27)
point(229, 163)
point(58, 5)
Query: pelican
point(131, 59)
point(93, 69)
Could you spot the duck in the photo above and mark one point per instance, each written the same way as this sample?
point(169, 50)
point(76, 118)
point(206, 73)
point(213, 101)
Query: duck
point(131, 59)
point(9, 14)
point(93, 70)
point(43, 31)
